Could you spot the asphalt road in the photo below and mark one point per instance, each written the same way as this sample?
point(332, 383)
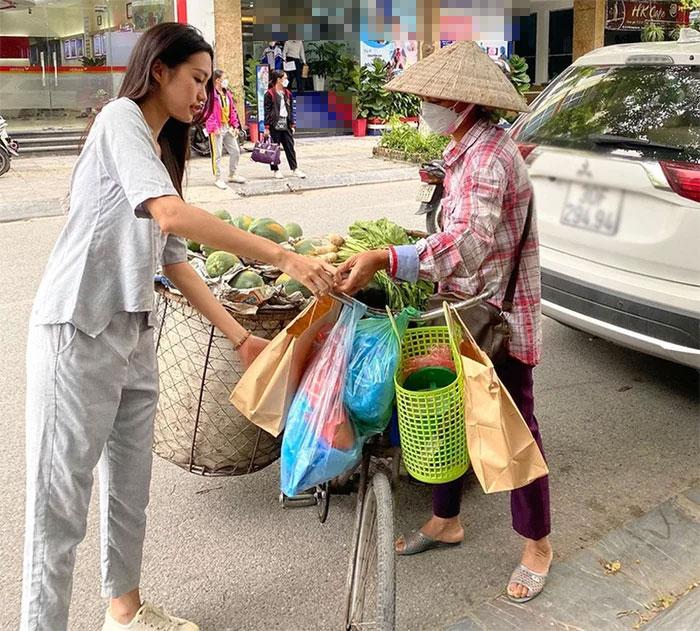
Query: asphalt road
point(620, 431)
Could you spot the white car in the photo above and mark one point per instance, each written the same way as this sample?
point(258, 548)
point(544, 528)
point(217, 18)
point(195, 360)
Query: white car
point(613, 148)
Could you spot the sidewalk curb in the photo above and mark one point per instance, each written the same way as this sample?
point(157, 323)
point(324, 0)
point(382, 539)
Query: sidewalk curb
point(317, 182)
point(659, 556)
point(13, 211)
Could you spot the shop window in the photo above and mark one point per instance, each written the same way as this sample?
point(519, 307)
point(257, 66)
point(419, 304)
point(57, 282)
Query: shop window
point(561, 36)
point(526, 43)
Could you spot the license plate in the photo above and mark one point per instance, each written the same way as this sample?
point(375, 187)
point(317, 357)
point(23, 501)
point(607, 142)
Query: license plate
point(593, 208)
point(425, 193)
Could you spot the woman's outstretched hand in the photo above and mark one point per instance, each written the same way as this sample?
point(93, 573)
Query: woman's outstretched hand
point(251, 348)
point(315, 274)
point(359, 270)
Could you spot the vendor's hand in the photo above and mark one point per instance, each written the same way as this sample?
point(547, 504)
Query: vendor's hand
point(359, 270)
point(315, 274)
point(251, 348)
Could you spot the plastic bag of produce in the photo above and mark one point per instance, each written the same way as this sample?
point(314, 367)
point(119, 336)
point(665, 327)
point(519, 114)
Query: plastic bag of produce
point(319, 440)
point(369, 389)
point(439, 355)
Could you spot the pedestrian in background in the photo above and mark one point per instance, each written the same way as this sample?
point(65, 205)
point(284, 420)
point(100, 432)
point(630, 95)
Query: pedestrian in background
point(222, 126)
point(293, 52)
point(279, 120)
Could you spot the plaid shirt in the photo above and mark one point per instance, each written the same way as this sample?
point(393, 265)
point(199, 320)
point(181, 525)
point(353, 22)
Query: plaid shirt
point(487, 193)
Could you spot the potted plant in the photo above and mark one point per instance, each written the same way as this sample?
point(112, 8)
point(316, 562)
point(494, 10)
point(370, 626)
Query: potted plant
point(653, 32)
point(250, 94)
point(406, 106)
point(376, 99)
point(324, 59)
point(358, 89)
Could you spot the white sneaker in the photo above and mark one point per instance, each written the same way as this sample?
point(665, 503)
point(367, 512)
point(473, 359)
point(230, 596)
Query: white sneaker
point(278, 175)
point(221, 184)
point(150, 618)
point(237, 179)
point(299, 173)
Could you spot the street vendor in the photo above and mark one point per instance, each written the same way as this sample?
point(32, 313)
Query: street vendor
point(484, 219)
point(92, 377)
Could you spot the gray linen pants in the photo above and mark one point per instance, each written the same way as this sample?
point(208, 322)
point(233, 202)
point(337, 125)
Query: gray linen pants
point(88, 400)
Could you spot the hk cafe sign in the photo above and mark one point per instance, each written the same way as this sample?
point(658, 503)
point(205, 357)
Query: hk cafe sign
point(634, 15)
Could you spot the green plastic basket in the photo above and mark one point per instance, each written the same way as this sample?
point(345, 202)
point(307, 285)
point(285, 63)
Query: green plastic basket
point(431, 423)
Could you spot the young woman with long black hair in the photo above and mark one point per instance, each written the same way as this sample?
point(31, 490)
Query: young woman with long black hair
point(92, 377)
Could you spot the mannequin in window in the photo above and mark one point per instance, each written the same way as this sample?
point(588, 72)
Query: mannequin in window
point(294, 52)
point(272, 56)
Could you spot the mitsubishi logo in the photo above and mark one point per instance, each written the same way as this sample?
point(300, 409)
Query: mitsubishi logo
point(585, 170)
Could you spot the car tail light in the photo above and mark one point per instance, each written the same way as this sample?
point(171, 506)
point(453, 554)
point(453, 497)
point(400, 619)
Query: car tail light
point(526, 149)
point(684, 178)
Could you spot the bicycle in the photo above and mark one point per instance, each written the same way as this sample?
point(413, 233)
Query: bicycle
point(370, 599)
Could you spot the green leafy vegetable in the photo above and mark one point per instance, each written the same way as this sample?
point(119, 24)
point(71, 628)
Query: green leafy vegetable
point(376, 235)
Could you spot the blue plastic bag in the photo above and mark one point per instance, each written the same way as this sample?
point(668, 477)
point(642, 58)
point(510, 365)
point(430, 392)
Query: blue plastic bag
point(320, 441)
point(369, 389)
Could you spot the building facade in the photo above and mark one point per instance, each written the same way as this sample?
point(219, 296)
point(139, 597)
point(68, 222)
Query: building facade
point(59, 60)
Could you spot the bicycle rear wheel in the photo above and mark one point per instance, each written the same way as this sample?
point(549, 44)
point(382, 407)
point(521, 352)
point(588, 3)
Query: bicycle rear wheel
point(371, 602)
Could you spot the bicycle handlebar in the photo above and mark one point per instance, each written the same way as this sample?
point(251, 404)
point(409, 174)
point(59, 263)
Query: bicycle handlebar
point(490, 290)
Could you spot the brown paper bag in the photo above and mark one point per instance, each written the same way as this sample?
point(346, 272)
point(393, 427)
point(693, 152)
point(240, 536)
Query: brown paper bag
point(501, 447)
point(265, 391)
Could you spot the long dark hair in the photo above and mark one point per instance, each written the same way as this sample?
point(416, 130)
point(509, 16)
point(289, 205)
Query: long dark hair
point(173, 44)
point(274, 76)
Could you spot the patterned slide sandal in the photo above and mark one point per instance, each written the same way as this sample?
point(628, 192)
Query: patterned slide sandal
point(416, 542)
point(532, 580)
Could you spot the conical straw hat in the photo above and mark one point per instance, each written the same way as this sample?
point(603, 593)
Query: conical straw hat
point(460, 72)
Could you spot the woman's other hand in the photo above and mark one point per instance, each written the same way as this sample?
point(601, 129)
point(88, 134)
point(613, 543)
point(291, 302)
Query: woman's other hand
point(251, 348)
point(359, 270)
point(315, 274)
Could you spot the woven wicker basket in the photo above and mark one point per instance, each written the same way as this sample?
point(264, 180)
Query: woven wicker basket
point(196, 427)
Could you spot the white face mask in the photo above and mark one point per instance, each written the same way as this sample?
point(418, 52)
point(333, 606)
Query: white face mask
point(272, 44)
point(224, 83)
point(443, 120)
point(285, 83)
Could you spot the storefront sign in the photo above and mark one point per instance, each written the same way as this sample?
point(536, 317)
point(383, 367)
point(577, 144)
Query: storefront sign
point(634, 15)
point(263, 79)
point(398, 54)
point(496, 49)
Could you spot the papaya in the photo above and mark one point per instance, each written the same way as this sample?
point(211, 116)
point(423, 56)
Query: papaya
point(224, 215)
point(291, 286)
point(248, 279)
point(193, 246)
point(208, 250)
point(308, 247)
point(243, 222)
point(269, 229)
point(294, 230)
point(220, 262)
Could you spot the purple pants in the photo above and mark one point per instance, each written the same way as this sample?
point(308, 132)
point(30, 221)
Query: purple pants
point(529, 505)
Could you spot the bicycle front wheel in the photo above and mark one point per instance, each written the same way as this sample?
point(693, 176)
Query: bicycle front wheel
point(371, 580)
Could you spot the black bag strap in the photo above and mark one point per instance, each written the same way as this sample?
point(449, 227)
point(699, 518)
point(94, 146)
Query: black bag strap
point(510, 290)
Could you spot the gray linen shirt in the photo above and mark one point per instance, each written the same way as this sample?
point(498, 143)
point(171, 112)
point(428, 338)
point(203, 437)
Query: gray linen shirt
point(109, 249)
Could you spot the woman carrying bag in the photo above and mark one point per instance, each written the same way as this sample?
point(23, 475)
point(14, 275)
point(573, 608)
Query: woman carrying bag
point(222, 126)
point(279, 121)
point(92, 376)
point(488, 231)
